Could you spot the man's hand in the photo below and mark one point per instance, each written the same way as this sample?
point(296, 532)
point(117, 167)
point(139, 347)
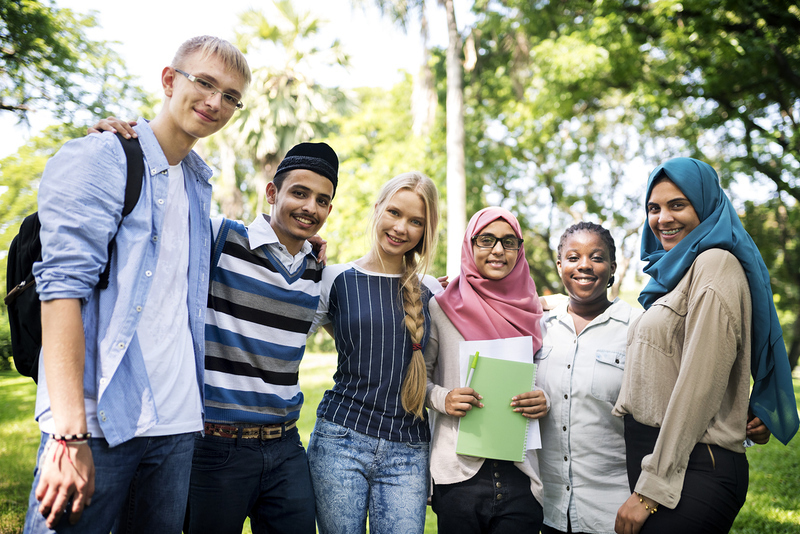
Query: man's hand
point(67, 474)
point(461, 400)
point(113, 124)
point(532, 404)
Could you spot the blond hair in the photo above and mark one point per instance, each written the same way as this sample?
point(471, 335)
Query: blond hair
point(209, 46)
point(415, 263)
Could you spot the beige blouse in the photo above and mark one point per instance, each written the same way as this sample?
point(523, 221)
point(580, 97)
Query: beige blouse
point(688, 370)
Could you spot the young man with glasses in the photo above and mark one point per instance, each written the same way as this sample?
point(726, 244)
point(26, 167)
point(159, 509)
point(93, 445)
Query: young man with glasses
point(120, 395)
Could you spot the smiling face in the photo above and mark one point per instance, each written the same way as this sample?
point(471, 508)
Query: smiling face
point(495, 263)
point(670, 215)
point(400, 225)
point(585, 268)
point(194, 113)
point(300, 207)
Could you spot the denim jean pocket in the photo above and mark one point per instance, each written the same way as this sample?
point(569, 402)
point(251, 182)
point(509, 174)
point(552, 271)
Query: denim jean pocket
point(326, 429)
point(210, 455)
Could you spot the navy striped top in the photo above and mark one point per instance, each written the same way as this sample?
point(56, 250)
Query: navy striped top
point(374, 350)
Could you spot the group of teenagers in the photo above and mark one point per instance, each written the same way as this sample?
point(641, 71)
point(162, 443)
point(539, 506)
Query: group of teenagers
point(169, 400)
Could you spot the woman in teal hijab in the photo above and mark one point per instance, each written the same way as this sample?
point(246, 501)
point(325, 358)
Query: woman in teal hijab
point(709, 322)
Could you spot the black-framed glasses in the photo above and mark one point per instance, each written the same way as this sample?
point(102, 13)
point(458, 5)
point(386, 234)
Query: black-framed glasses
point(209, 89)
point(489, 241)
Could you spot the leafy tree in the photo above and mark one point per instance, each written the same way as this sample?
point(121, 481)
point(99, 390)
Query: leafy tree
point(47, 62)
point(400, 11)
point(283, 106)
point(373, 145)
point(573, 93)
point(776, 229)
point(20, 174)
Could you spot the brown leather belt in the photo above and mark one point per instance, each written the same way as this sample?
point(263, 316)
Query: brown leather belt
point(262, 432)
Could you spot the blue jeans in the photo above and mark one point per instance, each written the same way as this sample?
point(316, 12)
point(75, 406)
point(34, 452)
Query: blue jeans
point(140, 486)
point(496, 499)
point(235, 478)
point(353, 473)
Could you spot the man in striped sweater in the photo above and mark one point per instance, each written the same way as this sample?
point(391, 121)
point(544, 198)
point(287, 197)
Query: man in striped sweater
point(263, 296)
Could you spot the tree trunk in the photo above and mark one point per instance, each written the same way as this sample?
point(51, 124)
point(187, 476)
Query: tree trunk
point(456, 172)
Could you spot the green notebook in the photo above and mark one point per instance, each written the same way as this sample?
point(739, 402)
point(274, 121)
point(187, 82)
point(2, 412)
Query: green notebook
point(496, 431)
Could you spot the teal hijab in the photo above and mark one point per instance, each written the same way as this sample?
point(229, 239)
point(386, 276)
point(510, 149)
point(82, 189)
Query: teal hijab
point(772, 398)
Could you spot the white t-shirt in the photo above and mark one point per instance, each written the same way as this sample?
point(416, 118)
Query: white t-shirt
point(163, 332)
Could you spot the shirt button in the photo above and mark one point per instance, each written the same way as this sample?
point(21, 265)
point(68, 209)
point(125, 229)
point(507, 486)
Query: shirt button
point(617, 360)
point(495, 464)
point(566, 396)
point(160, 201)
point(569, 366)
point(148, 273)
point(102, 416)
point(103, 381)
point(499, 497)
point(497, 475)
point(155, 238)
point(139, 309)
point(498, 485)
point(567, 488)
point(564, 428)
point(565, 458)
point(121, 345)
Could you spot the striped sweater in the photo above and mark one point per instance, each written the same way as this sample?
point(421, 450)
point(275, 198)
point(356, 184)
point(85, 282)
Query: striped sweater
point(257, 323)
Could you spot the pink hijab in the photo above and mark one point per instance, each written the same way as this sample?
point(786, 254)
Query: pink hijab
point(483, 309)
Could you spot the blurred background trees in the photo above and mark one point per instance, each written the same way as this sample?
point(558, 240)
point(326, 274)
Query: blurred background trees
point(567, 106)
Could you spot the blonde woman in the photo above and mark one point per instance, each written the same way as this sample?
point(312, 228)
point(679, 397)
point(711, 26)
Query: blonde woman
point(370, 447)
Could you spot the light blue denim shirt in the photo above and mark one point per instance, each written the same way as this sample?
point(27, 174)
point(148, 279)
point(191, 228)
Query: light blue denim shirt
point(80, 206)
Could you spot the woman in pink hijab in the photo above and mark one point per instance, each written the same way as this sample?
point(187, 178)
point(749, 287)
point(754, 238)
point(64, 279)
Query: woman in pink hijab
point(494, 297)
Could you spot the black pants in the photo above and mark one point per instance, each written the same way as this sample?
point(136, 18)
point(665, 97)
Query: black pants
point(714, 489)
point(497, 499)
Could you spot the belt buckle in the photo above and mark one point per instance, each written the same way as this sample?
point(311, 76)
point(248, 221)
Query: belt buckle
point(264, 435)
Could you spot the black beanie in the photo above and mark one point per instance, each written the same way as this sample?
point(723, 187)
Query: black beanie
point(317, 157)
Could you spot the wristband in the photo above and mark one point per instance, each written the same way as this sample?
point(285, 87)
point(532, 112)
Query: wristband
point(72, 438)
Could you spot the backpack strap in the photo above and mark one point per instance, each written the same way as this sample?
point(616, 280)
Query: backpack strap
point(133, 188)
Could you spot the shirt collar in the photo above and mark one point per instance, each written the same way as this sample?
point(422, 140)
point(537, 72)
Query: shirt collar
point(260, 232)
point(616, 311)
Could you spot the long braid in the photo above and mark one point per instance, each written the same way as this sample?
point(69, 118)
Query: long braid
point(413, 391)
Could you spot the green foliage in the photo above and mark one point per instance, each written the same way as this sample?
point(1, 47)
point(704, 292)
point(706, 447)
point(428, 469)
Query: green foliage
point(47, 62)
point(775, 227)
point(374, 145)
point(19, 183)
point(283, 106)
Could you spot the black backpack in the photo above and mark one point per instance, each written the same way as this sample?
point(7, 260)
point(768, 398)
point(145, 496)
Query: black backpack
point(22, 301)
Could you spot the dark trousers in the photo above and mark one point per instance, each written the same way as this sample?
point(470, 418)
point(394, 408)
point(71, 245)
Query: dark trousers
point(714, 489)
point(235, 478)
point(496, 500)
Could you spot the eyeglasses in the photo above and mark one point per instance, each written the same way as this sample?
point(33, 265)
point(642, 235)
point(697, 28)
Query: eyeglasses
point(489, 241)
point(209, 89)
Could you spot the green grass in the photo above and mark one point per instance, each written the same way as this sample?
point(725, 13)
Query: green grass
point(773, 499)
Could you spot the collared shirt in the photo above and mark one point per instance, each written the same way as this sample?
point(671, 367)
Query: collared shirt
point(80, 206)
point(582, 460)
point(260, 232)
point(688, 370)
